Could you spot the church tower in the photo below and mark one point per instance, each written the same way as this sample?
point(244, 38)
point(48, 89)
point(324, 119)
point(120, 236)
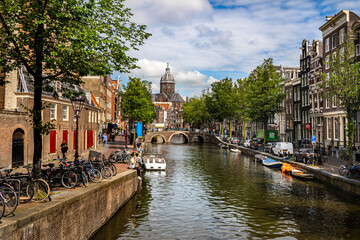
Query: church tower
point(167, 85)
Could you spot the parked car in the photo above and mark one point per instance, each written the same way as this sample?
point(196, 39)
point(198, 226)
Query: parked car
point(305, 155)
point(256, 143)
point(269, 147)
point(234, 140)
point(247, 143)
point(283, 148)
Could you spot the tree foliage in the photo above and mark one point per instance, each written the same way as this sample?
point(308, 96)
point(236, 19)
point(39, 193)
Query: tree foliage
point(343, 85)
point(195, 111)
point(136, 101)
point(63, 40)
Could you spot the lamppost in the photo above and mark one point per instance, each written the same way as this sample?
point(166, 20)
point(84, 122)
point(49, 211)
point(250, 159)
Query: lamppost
point(77, 104)
point(126, 118)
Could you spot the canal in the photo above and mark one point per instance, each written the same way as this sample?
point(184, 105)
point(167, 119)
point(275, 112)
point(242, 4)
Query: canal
point(211, 193)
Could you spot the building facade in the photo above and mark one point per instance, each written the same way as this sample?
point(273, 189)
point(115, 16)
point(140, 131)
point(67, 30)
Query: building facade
point(168, 104)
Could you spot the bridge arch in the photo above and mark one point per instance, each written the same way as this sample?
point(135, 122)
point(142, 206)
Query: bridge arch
point(200, 137)
point(154, 138)
point(180, 133)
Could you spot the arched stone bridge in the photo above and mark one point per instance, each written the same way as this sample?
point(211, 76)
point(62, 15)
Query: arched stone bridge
point(189, 136)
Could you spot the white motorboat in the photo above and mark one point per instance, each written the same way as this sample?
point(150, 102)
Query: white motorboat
point(154, 162)
point(235, 150)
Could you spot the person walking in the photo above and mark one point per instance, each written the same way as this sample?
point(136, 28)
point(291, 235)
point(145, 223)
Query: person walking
point(105, 140)
point(64, 148)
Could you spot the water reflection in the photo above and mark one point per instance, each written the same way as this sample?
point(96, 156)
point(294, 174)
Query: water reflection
point(211, 193)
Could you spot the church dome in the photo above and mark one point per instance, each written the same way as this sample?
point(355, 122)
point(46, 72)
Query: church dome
point(167, 77)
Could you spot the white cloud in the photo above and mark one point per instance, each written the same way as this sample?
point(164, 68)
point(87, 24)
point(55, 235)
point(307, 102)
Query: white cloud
point(187, 82)
point(229, 35)
point(165, 12)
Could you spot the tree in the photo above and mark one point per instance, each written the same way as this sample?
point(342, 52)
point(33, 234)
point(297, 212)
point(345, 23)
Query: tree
point(343, 83)
point(63, 40)
point(264, 93)
point(221, 101)
point(241, 112)
point(136, 101)
point(195, 112)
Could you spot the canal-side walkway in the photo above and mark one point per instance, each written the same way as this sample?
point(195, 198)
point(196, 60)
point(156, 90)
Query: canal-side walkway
point(328, 172)
point(73, 213)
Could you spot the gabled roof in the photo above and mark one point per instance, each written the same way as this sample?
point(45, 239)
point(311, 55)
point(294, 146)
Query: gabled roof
point(176, 97)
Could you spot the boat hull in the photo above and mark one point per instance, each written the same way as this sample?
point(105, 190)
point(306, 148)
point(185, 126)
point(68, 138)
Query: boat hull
point(235, 150)
point(301, 174)
point(272, 163)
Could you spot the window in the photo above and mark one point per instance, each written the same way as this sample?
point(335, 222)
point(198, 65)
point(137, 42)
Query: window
point(334, 101)
point(327, 62)
point(327, 102)
point(336, 128)
point(334, 38)
point(341, 36)
point(357, 49)
point(52, 111)
point(327, 46)
point(89, 116)
point(65, 113)
point(329, 128)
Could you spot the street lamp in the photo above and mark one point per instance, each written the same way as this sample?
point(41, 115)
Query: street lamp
point(126, 118)
point(77, 104)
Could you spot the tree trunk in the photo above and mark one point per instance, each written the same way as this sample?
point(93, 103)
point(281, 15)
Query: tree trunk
point(37, 108)
point(265, 129)
point(244, 126)
point(350, 128)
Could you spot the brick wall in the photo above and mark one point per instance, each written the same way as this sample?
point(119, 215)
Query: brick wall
point(72, 216)
point(10, 121)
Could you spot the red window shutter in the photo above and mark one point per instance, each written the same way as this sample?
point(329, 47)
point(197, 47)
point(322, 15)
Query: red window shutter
point(53, 141)
point(65, 137)
point(88, 139)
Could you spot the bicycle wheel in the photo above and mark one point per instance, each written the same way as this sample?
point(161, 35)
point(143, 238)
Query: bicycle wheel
point(26, 192)
point(69, 179)
point(95, 175)
point(2, 207)
point(10, 199)
point(84, 179)
point(106, 172)
point(113, 169)
point(41, 190)
point(342, 170)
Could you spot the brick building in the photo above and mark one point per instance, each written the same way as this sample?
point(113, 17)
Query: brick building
point(16, 130)
point(168, 103)
point(334, 32)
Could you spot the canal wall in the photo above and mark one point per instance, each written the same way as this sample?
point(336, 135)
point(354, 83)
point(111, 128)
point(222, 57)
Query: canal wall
point(343, 183)
point(77, 214)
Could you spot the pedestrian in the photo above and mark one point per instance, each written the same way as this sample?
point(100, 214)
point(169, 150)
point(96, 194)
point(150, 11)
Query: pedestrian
point(102, 137)
point(105, 138)
point(64, 149)
point(113, 137)
point(138, 144)
point(134, 164)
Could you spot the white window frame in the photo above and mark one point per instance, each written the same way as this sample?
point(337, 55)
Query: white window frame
point(336, 125)
point(357, 49)
point(327, 62)
point(327, 103)
point(53, 111)
point(334, 43)
point(329, 128)
point(66, 111)
point(327, 45)
point(341, 36)
point(334, 105)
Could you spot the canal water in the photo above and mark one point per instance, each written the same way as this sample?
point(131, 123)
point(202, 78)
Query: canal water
point(210, 193)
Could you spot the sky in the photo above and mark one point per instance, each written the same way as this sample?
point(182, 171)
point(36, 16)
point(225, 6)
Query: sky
point(207, 40)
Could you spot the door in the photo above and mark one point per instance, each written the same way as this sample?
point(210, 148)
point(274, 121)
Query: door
point(53, 141)
point(65, 136)
point(18, 148)
point(74, 143)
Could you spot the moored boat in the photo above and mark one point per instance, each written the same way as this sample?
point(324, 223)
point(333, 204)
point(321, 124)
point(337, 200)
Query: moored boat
point(269, 162)
point(301, 174)
point(154, 162)
point(235, 150)
point(260, 157)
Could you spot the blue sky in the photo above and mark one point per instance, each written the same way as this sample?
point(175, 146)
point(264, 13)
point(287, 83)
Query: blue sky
point(205, 41)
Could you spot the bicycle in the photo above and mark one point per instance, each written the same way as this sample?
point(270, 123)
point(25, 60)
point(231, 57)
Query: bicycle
point(59, 175)
point(93, 174)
